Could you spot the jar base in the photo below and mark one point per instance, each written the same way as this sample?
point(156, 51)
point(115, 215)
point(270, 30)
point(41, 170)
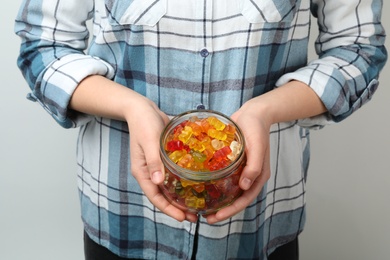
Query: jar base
point(218, 205)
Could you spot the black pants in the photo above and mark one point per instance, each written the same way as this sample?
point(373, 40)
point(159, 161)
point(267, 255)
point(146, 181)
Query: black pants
point(94, 251)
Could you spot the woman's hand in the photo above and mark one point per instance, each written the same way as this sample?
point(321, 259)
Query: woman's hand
point(255, 129)
point(145, 126)
point(97, 95)
point(292, 101)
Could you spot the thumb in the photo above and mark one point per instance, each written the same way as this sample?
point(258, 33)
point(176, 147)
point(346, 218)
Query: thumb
point(154, 163)
point(155, 166)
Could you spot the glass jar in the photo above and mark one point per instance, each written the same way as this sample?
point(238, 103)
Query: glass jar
point(200, 189)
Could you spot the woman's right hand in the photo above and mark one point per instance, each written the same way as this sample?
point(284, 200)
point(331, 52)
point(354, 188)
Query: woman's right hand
point(145, 125)
point(97, 95)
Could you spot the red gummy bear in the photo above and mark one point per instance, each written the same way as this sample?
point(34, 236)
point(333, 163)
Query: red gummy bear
point(212, 191)
point(222, 153)
point(175, 145)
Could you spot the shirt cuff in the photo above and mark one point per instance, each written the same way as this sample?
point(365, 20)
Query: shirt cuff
point(60, 81)
point(335, 92)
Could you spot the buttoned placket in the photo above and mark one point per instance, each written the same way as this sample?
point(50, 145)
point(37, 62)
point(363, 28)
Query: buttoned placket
point(205, 48)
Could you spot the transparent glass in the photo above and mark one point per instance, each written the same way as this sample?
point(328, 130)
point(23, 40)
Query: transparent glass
point(203, 191)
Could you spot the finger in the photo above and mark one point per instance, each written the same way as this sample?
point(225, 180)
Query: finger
point(238, 205)
point(151, 152)
point(159, 201)
point(152, 191)
point(155, 196)
point(191, 217)
point(255, 153)
point(153, 158)
point(155, 168)
point(246, 198)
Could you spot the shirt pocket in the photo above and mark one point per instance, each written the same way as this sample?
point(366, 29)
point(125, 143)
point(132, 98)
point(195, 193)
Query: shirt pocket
point(136, 12)
point(268, 11)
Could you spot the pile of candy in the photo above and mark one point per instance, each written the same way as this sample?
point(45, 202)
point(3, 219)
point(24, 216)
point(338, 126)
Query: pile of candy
point(203, 145)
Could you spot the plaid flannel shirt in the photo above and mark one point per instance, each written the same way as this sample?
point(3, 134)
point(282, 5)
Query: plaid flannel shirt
point(196, 54)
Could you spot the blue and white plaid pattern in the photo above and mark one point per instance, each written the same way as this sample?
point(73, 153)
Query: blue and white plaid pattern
point(216, 54)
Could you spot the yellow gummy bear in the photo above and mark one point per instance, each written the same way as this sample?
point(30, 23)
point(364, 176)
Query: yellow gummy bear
point(216, 123)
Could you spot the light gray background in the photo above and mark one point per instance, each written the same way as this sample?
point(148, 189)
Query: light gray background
point(348, 186)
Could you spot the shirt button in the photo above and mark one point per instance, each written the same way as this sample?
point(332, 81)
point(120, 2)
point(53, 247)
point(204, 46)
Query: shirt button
point(200, 107)
point(204, 53)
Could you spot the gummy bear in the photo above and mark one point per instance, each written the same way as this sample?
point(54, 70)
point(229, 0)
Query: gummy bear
point(196, 129)
point(215, 165)
point(199, 157)
point(218, 125)
point(224, 185)
point(222, 153)
point(195, 202)
point(195, 144)
point(213, 133)
point(174, 145)
point(230, 129)
point(185, 161)
point(236, 148)
point(217, 144)
point(177, 155)
point(209, 154)
point(197, 166)
point(186, 183)
point(205, 125)
point(199, 187)
point(212, 191)
point(185, 134)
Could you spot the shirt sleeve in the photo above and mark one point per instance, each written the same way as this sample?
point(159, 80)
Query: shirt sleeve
point(351, 53)
point(52, 57)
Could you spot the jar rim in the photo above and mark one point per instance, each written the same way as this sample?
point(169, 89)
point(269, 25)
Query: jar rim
point(199, 175)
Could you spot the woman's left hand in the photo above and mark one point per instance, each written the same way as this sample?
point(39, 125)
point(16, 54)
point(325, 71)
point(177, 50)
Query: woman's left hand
point(255, 129)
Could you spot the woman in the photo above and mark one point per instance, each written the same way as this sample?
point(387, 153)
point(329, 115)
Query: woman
point(148, 60)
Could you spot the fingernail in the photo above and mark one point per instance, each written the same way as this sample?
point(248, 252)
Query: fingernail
point(157, 177)
point(246, 183)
